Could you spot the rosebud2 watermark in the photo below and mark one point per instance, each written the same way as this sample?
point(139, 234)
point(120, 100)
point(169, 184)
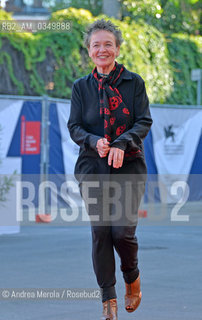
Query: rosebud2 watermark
point(48, 294)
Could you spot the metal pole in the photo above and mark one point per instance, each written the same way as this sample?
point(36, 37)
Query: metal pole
point(198, 92)
point(44, 165)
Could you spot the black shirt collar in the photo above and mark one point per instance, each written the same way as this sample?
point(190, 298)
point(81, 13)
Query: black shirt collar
point(125, 75)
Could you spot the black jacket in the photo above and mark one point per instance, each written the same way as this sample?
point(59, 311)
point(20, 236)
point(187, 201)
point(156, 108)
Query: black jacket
point(86, 126)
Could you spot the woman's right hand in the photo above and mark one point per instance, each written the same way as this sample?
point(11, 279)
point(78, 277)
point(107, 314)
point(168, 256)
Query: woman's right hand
point(103, 147)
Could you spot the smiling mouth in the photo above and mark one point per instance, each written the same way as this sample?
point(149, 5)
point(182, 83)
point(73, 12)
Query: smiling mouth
point(102, 57)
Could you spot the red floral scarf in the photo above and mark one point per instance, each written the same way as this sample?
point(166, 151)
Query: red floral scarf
point(112, 108)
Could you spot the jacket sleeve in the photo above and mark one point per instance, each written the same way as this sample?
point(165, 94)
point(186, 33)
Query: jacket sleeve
point(132, 138)
point(77, 131)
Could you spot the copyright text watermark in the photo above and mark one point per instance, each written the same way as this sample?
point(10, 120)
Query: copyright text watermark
point(47, 293)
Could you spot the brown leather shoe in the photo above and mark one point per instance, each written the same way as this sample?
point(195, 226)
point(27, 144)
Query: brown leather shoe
point(110, 310)
point(133, 295)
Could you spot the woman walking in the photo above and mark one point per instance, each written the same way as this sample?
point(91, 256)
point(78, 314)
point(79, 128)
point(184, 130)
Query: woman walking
point(109, 120)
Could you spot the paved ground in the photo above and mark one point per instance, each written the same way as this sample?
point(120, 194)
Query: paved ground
point(48, 256)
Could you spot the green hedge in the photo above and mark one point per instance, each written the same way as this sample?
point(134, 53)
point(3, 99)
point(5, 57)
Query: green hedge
point(184, 55)
point(164, 62)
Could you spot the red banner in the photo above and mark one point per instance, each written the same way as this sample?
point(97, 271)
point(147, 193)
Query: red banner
point(30, 136)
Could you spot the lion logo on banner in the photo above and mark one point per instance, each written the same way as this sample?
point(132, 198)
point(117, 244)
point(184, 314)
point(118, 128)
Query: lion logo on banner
point(169, 132)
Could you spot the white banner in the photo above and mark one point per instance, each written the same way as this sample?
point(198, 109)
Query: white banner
point(69, 148)
point(8, 195)
point(176, 133)
point(9, 114)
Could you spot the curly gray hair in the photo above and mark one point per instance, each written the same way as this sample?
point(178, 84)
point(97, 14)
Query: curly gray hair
point(103, 25)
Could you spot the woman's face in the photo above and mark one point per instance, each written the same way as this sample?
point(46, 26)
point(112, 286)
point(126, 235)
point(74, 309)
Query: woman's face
point(103, 50)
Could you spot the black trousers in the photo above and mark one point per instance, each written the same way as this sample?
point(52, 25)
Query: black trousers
point(108, 232)
point(104, 240)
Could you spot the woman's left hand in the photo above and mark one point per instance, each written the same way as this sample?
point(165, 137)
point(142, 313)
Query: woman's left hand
point(116, 155)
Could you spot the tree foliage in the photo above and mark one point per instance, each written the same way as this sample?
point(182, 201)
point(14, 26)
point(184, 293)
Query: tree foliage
point(94, 6)
point(167, 15)
point(57, 59)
